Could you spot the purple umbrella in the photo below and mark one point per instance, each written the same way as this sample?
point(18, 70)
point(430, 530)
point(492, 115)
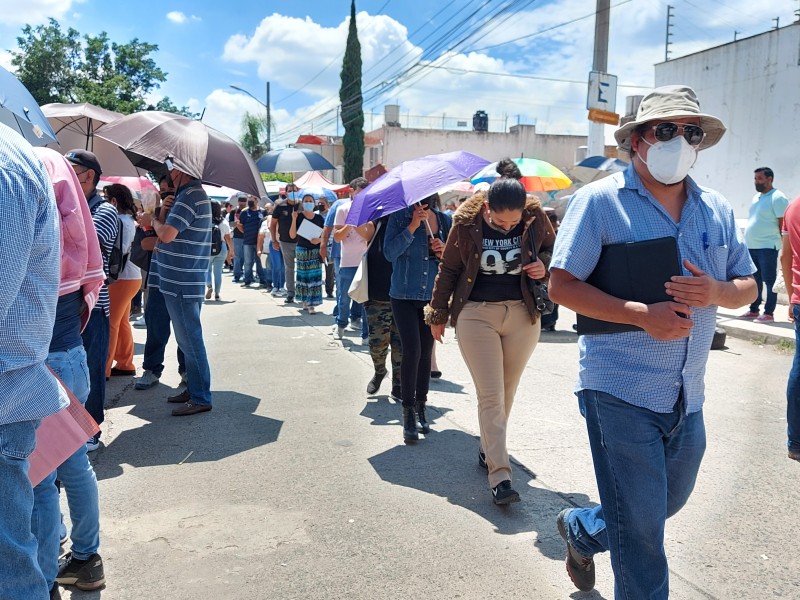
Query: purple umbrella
point(410, 182)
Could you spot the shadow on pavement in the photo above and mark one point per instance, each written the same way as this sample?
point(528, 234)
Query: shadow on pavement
point(230, 429)
point(444, 463)
point(382, 410)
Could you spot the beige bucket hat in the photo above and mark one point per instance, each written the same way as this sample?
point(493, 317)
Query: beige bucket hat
point(671, 102)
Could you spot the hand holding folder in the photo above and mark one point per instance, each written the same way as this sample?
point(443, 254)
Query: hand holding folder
point(632, 271)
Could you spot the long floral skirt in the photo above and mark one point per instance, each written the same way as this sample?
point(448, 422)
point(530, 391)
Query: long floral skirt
point(309, 276)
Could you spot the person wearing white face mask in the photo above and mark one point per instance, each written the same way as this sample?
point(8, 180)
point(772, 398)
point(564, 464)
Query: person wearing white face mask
point(309, 263)
point(641, 390)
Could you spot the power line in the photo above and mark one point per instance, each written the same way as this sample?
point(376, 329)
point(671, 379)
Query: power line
point(538, 77)
point(543, 31)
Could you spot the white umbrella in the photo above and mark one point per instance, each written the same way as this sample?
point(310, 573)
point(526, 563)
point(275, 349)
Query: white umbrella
point(75, 124)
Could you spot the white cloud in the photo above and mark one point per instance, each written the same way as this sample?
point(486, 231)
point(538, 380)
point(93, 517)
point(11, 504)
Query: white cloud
point(224, 111)
point(5, 60)
point(180, 18)
point(565, 52)
point(33, 12)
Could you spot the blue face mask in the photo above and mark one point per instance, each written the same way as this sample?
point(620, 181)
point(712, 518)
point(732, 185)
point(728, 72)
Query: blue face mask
point(308, 206)
point(294, 196)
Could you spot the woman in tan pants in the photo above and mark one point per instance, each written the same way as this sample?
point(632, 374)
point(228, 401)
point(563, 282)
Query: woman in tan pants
point(122, 291)
point(482, 288)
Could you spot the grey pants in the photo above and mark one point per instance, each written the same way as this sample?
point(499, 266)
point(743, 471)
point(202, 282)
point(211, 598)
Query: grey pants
point(289, 250)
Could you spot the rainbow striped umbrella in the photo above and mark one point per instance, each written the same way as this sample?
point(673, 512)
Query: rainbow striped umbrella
point(537, 175)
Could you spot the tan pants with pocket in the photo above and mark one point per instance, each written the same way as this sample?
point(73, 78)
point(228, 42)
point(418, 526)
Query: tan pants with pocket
point(496, 340)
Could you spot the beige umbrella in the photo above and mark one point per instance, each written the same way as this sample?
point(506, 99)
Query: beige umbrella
point(149, 138)
point(75, 125)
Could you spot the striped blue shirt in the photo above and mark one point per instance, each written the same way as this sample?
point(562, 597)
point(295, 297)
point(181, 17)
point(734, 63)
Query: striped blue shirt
point(29, 259)
point(106, 223)
point(179, 268)
point(634, 366)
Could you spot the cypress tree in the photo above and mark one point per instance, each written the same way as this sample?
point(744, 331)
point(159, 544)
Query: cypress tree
point(352, 103)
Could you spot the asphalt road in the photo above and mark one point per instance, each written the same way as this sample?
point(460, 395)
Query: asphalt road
point(298, 486)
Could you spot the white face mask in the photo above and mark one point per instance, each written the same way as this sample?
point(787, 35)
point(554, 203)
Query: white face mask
point(669, 162)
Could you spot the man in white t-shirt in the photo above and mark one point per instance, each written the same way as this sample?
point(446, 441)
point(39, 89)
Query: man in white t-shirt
point(354, 244)
point(262, 249)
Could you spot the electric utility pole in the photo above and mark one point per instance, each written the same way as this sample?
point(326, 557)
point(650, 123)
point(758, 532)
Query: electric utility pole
point(667, 43)
point(597, 144)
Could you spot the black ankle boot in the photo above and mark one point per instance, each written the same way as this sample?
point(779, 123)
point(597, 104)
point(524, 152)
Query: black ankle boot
point(409, 425)
point(424, 426)
point(375, 383)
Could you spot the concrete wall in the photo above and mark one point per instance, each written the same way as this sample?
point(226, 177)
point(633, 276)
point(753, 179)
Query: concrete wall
point(400, 143)
point(753, 85)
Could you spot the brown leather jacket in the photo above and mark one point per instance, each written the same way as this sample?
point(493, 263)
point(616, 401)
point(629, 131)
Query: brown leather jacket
point(462, 258)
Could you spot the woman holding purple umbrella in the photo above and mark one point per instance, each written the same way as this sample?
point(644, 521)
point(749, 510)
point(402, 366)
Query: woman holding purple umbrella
point(414, 244)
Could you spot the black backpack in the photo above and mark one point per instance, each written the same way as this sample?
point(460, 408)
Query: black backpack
point(117, 259)
point(216, 241)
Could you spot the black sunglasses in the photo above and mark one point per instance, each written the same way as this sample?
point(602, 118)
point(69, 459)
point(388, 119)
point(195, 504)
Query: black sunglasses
point(693, 134)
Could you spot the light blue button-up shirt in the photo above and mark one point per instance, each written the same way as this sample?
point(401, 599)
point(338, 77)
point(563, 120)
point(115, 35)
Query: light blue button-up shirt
point(30, 266)
point(633, 365)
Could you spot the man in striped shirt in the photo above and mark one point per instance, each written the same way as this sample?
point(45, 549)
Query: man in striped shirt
point(179, 267)
point(95, 335)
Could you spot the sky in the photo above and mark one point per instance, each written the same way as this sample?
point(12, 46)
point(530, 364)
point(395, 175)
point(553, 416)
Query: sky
point(521, 61)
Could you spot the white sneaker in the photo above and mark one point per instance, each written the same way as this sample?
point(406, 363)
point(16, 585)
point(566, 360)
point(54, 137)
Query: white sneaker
point(312, 310)
point(355, 325)
point(339, 333)
point(139, 323)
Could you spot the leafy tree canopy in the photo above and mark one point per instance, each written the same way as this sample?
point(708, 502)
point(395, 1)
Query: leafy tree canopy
point(63, 66)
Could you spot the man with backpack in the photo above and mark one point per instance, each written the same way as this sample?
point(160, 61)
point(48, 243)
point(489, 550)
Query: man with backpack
point(95, 335)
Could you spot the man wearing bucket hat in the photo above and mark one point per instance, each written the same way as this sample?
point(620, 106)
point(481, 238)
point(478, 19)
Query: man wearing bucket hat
point(642, 391)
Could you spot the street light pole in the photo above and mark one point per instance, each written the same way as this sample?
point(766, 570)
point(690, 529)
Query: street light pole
point(269, 122)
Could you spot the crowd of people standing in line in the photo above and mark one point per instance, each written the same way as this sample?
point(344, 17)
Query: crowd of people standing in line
point(641, 392)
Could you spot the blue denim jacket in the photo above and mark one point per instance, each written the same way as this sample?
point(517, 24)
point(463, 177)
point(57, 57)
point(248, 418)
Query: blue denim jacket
point(413, 271)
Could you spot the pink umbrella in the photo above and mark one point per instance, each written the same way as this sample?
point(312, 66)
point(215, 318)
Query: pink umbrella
point(142, 188)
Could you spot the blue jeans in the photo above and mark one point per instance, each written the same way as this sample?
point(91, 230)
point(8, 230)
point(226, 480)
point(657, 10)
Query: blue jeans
point(76, 475)
point(646, 465)
point(157, 320)
point(278, 270)
point(21, 577)
point(766, 260)
point(344, 278)
point(267, 267)
point(185, 316)
point(793, 388)
point(215, 265)
point(95, 341)
point(238, 257)
point(251, 259)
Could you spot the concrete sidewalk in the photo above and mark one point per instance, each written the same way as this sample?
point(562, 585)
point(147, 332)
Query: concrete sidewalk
point(781, 330)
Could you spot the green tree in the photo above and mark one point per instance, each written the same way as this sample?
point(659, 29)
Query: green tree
point(48, 61)
point(58, 66)
point(253, 129)
point(352, 103)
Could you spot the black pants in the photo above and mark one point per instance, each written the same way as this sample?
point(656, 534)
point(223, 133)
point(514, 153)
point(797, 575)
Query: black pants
point(417, 341)
point(330, 278)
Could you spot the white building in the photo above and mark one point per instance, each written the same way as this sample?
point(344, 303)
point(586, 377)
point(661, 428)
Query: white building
point(753, 85)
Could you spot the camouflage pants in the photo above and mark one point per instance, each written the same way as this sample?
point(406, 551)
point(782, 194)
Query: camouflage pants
point(383, 334)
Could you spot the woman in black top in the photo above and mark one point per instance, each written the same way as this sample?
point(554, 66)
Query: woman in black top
point(382, 329)
point(309, 265)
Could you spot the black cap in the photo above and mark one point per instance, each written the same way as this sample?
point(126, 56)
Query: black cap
point(84, 158)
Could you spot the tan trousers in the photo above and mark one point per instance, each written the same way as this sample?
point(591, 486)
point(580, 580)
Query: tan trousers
point(496, 340)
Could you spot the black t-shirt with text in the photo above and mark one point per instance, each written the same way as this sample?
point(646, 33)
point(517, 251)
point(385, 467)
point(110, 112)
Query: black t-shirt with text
point(499, 275)
point(283, 213)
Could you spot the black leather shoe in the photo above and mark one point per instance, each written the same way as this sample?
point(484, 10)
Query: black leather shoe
point(409, 425)
point(375, 383)
point(424, 426)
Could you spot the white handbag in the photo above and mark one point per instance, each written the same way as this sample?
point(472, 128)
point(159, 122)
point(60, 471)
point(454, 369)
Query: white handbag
point(359, 288)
